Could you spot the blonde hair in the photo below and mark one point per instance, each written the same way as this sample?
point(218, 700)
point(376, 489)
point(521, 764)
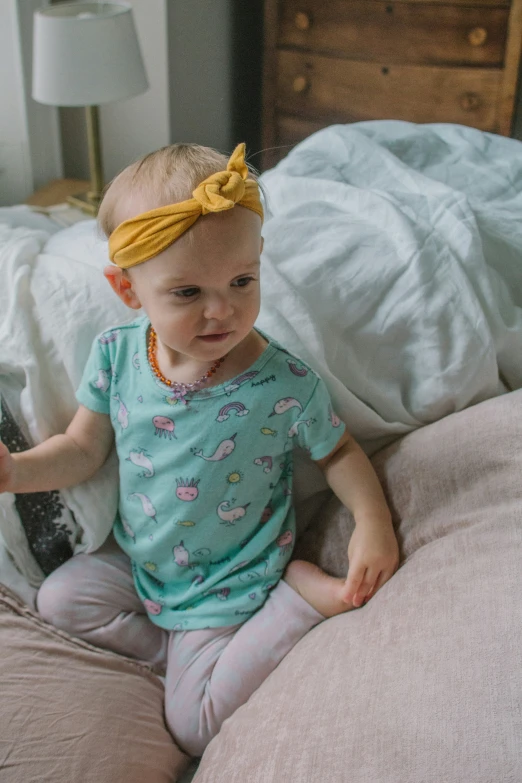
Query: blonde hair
point(164, 177)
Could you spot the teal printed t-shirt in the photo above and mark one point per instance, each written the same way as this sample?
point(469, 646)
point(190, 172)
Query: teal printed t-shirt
point(205, 509)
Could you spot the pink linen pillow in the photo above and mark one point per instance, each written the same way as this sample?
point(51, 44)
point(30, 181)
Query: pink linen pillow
point(423, 684)
point(71, 713)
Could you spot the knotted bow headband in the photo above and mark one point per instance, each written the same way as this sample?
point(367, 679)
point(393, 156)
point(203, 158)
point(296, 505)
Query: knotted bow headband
point(144, 236)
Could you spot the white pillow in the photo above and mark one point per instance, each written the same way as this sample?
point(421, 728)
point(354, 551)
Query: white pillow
point(53, 303)
point(22, 215)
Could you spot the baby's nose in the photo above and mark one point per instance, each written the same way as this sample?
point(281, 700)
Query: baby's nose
point(217, 308)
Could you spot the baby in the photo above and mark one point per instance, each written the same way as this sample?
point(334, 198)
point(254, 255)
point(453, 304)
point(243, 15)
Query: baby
point(205, 411)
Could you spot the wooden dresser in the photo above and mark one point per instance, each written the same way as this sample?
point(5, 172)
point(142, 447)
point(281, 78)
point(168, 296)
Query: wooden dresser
point(328, 61)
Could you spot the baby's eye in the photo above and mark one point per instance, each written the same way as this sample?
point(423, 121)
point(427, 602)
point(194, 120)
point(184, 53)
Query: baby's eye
point(186, 293)
point(242, 282)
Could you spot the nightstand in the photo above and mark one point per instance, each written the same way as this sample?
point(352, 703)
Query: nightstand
point(52, 201)
point(56, 192)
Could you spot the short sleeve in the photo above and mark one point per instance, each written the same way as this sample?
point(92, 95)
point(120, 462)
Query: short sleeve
point(94, 391)
point(318, 428)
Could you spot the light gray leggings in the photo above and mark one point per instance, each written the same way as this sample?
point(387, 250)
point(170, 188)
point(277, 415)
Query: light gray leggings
point(209, 673)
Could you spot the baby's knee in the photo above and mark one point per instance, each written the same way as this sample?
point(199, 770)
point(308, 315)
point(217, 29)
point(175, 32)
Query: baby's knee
point(190, 731)
point(55, 600)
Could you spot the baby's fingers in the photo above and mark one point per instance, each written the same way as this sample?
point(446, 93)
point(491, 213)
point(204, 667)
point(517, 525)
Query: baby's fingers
point(366, 587)
point(353, 581)
point(6, 467)
point(383, 578)
point(5, 458)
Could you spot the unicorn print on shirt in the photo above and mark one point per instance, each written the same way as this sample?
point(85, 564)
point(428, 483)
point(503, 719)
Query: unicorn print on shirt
point(284, 405)
point(104, 380)
point(148, 508)
point(225, 448)
point(123, 412)
point(334, 418)
point(181, 555)
point(140, 458)
point(229, 516)
point(292, 432)
point(109, 337)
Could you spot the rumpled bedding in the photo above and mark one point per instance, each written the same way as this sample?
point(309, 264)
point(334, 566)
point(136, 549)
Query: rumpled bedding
point(53, 301)
point(392, 264)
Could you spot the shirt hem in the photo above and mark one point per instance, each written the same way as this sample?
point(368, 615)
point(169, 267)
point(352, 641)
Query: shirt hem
point(92, 404)
point(184, 625)
point(327, 448)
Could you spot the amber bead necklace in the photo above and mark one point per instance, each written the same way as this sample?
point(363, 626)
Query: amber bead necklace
point(180, 390)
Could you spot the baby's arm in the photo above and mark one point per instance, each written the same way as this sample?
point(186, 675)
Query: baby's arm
point(60, 461)
point(373, 551)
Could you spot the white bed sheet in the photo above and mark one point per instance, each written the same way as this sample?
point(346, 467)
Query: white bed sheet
point(392, 264)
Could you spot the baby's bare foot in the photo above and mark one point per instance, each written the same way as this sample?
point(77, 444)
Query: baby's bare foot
point(317, 588)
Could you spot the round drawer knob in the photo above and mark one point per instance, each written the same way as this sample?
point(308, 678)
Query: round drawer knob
point(478, 36)
point(302, 21)
point(300, 84)
point(470, 101)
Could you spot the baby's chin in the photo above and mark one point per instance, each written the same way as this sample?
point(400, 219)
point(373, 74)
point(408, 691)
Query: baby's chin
point(216, 345)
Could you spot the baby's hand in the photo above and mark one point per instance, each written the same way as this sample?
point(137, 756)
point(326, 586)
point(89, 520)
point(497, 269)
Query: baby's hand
point(373, 555)
point(6, 468)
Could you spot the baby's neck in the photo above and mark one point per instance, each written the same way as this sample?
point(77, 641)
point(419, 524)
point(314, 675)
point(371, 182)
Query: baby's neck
point(185, 369)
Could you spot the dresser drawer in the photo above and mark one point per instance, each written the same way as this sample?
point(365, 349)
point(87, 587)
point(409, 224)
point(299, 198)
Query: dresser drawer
point(397, 32)
point(327, 90)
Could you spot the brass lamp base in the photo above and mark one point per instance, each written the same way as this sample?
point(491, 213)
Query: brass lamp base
point(90, 202)
point(87, 202)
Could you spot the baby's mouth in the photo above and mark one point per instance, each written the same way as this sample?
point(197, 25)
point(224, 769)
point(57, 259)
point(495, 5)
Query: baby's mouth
point(217, 337)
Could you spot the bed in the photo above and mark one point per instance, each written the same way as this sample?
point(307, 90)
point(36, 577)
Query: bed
point(393, 265)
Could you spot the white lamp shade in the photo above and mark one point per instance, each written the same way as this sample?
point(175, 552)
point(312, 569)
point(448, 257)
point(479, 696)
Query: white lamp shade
point(85, 54)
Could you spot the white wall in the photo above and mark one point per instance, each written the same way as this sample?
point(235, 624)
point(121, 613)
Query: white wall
point(139, 125)
point(29, 137)
point(15, 161)
point(42, 121)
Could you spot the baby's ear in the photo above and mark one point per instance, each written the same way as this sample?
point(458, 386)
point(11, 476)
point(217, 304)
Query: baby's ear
point(122, 286)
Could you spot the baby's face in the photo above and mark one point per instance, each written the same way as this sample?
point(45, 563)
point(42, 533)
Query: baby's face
point(202, 293)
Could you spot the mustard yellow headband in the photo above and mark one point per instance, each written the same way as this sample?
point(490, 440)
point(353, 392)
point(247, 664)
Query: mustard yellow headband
point(144, 236)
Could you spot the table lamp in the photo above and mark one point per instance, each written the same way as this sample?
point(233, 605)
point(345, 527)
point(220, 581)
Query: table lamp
point(86, 54)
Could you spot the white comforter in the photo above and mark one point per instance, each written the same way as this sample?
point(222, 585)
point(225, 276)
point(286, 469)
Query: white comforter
point(392, 264)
